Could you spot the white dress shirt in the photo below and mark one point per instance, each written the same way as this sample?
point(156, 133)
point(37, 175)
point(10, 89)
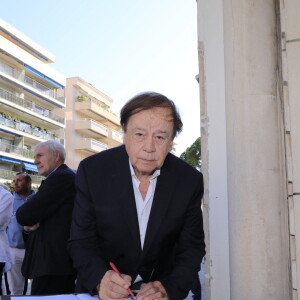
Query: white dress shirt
point(143, 206)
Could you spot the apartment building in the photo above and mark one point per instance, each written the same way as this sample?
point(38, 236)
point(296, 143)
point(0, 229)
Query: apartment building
point(91, 126)
point(31, 102)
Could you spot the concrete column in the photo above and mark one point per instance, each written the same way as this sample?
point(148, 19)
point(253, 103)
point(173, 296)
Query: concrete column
point(246, 214)
point(214, 150)
point(256, 182)
point(290, 33)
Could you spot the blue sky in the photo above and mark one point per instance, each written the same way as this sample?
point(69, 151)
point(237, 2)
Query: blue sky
point(122, 47)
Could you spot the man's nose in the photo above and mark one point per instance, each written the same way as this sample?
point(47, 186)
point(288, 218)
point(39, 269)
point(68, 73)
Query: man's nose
point(149, 144)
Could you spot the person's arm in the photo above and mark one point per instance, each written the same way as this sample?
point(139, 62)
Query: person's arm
point(53, 193)
point(190, 247)
point(84, 244)
point(6, 202)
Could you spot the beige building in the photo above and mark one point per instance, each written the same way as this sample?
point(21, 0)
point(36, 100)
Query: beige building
point(91, 126)
point(31, 101)
point(249, 71)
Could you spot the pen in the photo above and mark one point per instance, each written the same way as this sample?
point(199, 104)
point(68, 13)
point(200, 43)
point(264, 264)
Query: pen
point(117, 271)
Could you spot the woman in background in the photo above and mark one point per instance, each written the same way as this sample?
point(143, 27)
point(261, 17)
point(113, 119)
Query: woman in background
point(6, 202)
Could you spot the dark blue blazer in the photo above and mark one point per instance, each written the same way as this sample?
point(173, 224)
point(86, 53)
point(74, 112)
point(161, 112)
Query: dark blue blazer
point(46, 248)
point(105, 224)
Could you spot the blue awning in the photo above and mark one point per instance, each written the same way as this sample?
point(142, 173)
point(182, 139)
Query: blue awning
point(44, 76)
point(30, 167)
point(10, 160)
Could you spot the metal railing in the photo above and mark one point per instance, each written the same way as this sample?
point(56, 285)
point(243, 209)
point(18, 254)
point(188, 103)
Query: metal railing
point(10, 148)
point(24, 127)
point(99, 125)
point(117, 134)
point(97, 144)
point(30, 82)
point(30, 105)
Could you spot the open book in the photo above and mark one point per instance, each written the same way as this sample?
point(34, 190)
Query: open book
point(56, 297)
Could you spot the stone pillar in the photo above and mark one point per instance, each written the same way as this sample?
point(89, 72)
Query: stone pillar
point(243, 151)
point(290, 54)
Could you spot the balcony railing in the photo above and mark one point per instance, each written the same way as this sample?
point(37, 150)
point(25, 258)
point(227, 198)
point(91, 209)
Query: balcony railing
point(10, 148)
point(90, 145)
point(98, 108)
point(30, 82)
point(117, 134)
point(98, 144)
point(24, 127)
point(9, 175)
point(30, 105)
point(97, 124)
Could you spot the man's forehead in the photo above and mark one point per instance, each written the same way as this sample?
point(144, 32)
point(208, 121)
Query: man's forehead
point(156, 116)
point(40, 149)
point(20, 176)
point(140, 128)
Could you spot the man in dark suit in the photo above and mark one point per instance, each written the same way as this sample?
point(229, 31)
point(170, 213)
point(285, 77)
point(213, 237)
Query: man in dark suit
point(138, 206)
point(47, 217)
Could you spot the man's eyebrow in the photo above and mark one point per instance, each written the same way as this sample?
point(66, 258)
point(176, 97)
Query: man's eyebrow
point(138, 128)
point(162, 131)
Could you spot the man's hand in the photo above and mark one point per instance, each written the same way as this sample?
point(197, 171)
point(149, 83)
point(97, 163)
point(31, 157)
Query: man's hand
point(112, 286)
point(152, 291)
point(32, 228)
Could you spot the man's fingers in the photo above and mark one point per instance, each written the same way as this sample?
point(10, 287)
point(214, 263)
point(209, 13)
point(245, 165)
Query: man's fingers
point(152, 291)
point(112, 286)
point(124, 280)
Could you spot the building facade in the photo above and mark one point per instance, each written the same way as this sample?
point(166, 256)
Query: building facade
point(91, 126)
point(31, 100)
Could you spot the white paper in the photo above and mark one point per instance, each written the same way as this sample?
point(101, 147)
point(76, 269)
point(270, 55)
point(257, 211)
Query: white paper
point(61, 297)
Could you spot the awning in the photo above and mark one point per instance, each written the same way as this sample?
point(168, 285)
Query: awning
point(10, 160)
point(30, 167)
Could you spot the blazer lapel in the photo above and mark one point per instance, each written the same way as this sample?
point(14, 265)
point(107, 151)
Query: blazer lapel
point(124, 195)
point(161, 201)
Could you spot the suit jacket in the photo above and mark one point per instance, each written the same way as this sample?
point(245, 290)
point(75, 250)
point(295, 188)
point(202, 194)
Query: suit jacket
point(46, 248)
point(105, 224)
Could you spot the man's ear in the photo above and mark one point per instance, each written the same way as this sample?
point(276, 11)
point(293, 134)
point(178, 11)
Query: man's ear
point(57, 156)
point(171, 146)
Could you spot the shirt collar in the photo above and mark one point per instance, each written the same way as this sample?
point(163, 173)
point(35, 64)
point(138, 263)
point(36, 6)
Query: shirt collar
point(154, 175)
point(52, 172)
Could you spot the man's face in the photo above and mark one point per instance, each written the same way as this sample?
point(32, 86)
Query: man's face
point(148, 139)
point(45, 160)
point(20, 184)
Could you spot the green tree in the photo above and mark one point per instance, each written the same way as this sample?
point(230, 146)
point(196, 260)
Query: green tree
point(192, 154)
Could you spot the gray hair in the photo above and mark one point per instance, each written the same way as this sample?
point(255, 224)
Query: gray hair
point(53, 146)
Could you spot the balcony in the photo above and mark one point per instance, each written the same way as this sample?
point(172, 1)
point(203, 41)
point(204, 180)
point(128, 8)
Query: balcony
point(117, 136)
point(9, 176)
point(91, 127)
point(30, 82)
point(25, 129)
point(94, 109)
point(90, 145)
point(30, 105)
point(16, 151)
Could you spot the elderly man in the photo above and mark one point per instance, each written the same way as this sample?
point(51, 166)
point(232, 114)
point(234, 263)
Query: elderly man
point(138, 206)
point(47, 216)
point(23, 191)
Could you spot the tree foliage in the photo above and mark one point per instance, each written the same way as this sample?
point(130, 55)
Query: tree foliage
point(192, 154)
